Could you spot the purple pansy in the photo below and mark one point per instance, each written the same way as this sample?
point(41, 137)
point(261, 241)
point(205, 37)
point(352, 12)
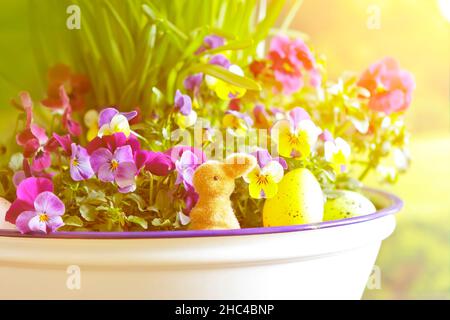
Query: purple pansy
point(118, 167)
point(211, 42)
point(297, 115)
point(183, 103)
point(192, 83)
point(80, 166)
point(45, 215)
point(326, 136)
point(220, 60)
point(185, 167)
point(263, 157)
point(107, 114)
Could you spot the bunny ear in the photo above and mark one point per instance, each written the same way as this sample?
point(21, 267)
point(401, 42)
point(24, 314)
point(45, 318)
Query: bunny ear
point(239, 164)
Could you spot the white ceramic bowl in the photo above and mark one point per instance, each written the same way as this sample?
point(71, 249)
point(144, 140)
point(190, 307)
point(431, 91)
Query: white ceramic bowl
point(329, 260)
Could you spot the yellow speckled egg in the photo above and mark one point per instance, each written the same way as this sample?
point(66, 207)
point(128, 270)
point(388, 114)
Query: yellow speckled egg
point(299, 200)
point(347, 204)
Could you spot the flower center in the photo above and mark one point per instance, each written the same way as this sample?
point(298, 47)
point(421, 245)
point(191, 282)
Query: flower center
point(43, 217)
point(262, 179)
point(114, 165)
point(75, 162)
point(293, 139)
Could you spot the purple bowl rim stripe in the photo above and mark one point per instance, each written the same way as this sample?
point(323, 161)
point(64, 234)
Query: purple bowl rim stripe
point(395, 206)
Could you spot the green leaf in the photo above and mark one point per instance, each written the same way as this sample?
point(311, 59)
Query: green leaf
point(138, 200)
point(227, 76)
point(138, 220)
point(73, 221)
point(88, 212)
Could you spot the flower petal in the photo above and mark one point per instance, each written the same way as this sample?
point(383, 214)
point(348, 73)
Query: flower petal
point(48, 203)
point(30, 188)
point(35, 224)
point(106, 116)
point(125, 174)
point(54, 223)
point(275, 170)
point(105, 173)
point(123, 154)
point(16, 208)
point(100, 157)
point(23, 220)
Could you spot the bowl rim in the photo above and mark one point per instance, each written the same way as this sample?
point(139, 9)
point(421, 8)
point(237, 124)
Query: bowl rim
point(395, 205)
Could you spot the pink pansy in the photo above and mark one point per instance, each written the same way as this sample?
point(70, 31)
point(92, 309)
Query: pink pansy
point(28, 172)
point(114, 141)
point(44, 217)
point(80, 166)
point(37, 146)
point(157, 163)
point(26, 104)
point(118, 167)
point(390, 87)
point(72, 126)
point(26, 193)
point(289, 58)
point(65, 142)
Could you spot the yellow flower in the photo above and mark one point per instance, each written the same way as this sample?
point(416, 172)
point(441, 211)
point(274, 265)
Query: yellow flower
point(238, 122)
point(295, 141)
point(119, 123)
point(263, 183)
point(185, 121)
point(225, 90)
point(337, 153)
point(91, 122)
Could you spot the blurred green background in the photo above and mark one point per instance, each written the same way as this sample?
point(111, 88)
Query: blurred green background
point(415, 261)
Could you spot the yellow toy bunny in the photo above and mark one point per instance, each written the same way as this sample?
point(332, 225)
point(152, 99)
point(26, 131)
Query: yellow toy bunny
point(214, 182)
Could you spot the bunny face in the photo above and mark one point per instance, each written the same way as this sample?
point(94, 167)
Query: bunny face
point(215, 178)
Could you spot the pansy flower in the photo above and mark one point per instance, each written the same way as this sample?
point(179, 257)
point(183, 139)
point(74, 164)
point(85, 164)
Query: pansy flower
point(192, 83)
point(262, 117)
point(390, 87)
point(336, 151)
point(45, 217)
point(36, 208)
point(80, 166)
point(184, 115)
point(118, 167)
point(263, 179)
point(37, 146)
point(239, 123)
point(157, 163)
point(76, 86)
point(295, 136)
point(225, 90)
point(91, 122)
point(211, 42)
point(111, 121)
point(289, 58)
point(185, 167)
point(72, 126)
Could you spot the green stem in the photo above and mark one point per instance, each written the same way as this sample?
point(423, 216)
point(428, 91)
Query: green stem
point(365, 172)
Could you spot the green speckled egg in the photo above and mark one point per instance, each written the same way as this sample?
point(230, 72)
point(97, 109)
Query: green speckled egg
point(299, 200)
point(347, 204)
